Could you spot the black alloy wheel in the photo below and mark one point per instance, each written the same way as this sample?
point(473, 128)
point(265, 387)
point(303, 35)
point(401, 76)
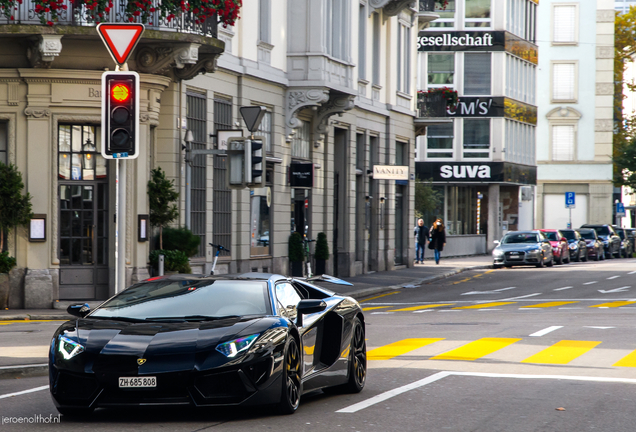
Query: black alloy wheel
point(291, 388)
point(585, 255)
point(540, 264)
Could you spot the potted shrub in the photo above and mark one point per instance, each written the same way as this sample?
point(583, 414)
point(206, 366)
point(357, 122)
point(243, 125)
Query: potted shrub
point(321, 253)
point(180, 239)
point(6, 264)
point(174, 261)
point(296, 253)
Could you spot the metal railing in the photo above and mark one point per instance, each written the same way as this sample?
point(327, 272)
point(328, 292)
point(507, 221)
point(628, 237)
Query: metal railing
point(76, 16)
point(427, 5)
point(431, 105)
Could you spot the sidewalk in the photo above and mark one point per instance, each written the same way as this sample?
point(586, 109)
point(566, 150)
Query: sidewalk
point(27, 356)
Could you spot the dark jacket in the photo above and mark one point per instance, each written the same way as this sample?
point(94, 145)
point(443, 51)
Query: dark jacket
point(421, 234)
point(438, 238)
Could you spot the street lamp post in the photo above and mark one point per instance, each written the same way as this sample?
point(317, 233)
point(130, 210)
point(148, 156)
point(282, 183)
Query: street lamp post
point(188, 161)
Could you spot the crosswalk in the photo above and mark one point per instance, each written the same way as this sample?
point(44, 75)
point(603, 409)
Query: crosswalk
point(509, 305)
point(560, 353)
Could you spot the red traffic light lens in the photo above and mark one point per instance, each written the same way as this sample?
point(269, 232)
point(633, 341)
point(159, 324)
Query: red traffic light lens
point(120, 92)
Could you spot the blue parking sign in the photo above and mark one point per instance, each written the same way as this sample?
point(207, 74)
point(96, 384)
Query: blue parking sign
point(570, 200)
point(620, 209)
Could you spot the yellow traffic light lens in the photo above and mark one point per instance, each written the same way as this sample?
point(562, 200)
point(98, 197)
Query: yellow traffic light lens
point(120, 92)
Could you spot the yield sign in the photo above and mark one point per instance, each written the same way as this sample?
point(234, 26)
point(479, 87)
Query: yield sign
point(252, 116)
point(120, 39)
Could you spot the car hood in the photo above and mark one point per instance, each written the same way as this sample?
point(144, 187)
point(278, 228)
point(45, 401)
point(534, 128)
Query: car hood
point(518, 247)
point(116, 346)
point(554, 243)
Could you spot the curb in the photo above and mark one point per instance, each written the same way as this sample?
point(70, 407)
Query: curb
point(27, 317)
point(24, 371)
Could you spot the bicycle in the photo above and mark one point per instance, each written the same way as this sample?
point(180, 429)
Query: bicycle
point(219, 248)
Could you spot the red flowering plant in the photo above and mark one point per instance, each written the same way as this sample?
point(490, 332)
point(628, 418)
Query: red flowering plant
point(96, 11)
point(143, 10)
point(446, 93)
point(8, 6)
point(48, 10)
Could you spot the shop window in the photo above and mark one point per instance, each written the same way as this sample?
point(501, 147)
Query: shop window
point(446, 16)
point(477, 13)
point(196, 109)
point(439, 141)
point(564, 24)
point(441, 70)
point(222, 194)
point(260, 221)
point(477, 74)
point(4, 145)
point(563, 140)
point(462, 203)
point(79, 156)
point(476, 138)
point(265, 130)
point(564, 82)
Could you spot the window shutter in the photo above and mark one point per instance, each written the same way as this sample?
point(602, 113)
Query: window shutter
point(563, 81)
point(564, 23)
point(563, 143)
point(477, 72)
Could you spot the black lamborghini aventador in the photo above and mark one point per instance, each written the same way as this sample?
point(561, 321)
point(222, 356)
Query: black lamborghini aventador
point(209, 341)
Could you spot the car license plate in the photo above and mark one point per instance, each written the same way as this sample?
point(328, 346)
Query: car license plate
point(137, 382)
point(514, 255)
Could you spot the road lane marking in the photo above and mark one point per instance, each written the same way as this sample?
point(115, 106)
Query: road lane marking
point(24, 392)
point(590, 283)
point(597, 327)
point(521, 297)
point(612, 277)
point(561, 289)
point(399, 348)
point(505, 289)
point(477, 349)
point(634, 272)
point(417, 308)
point(612, 304)
point(628, 361)
point(380, 296)
point(548, 304)
point(483, 305)
point(562, 352)
point(545, 331)
point(374, 308)
point(615, 290)
point(439, 375)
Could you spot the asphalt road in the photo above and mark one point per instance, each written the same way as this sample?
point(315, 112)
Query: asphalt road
point(519, 349)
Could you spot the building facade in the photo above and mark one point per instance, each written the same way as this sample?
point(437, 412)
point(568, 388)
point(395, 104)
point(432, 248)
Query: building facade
point(479, 152)
point(575, 119)
point(337, 79)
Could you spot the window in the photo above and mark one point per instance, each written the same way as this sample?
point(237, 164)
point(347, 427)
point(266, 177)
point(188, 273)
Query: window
point(196, 108)
point(477, 13)
point(520, 79)
point(476, 138)
point(521, 18)
point(362, 42)
point(300, 142)
point(264, 21)
point(222, 194)
point(376, 48)
point(337, 29)
point(446, 16)
point(477, 72)
point(564, 24)
point(404, 58)
point(441, 70)
point(288, 299)
point(520, 142)
point(260, 226)
point(4, 145)
point(563, 142)
point(80, 153)
point(439, 141)
point(265, 130)
point(564, 86)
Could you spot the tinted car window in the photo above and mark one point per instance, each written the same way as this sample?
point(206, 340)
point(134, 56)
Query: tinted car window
point(588, 234)
point(187, 298)
point(570, 235)
point(550, 235)
point(602, 230)
point(621, 233)
point(520, 238)
point(288, 298)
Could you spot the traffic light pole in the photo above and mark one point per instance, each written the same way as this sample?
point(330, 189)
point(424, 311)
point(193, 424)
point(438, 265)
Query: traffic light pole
point(120, 212)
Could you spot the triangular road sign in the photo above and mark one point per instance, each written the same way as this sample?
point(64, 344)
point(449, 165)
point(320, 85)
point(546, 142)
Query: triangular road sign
point(252, 116)
point(120, 39)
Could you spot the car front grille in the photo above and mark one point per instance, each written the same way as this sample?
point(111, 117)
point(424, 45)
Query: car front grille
point(512, 256)
point(227, 386)
point(75, 387)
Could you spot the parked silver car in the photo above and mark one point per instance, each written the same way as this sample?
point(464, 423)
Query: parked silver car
point(523, 248)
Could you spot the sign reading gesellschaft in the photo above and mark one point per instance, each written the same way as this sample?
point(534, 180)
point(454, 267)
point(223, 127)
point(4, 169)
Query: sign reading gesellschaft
point(461, 41)
point(390, 172)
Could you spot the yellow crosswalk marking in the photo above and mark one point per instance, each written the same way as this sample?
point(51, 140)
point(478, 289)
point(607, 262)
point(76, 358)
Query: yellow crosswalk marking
point(476, 349)
point(374, 308)
point(549, 304)
point(614, 304)
point(628, 361)
point(398, 348)
point(379, 296)
point(562, 352)
point(484, 305)
point(428, 306)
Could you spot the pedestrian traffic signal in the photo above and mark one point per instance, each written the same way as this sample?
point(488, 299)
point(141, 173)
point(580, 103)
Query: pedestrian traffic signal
point(120, 115)
point(254, 162)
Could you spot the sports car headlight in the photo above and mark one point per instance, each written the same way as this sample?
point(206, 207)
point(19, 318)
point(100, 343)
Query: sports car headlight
point(232, 348)
point(69, 348)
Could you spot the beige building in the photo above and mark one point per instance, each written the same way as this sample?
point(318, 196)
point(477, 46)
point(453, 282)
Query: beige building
point(337, 81)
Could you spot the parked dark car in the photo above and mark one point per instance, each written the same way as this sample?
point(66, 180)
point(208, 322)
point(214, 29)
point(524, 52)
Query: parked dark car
point(627, 246)
point(631, 233)
point(595, 248)
point(578, 247)
point(209, 341)
point(611, 241)
point(560, 248)
point(523, 248)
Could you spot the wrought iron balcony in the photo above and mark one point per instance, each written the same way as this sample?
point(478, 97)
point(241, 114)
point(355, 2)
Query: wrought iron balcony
point(76, 16)
point(426, 12)
point(426, 6)
point(431, 105)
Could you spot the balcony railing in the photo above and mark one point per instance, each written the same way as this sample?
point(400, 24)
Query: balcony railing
point(76, 16)
point(427, 5)
point(431, 105)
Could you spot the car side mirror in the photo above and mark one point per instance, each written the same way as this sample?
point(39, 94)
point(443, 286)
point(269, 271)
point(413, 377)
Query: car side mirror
point(308, 306)
point(79, 310)
point(497, 242)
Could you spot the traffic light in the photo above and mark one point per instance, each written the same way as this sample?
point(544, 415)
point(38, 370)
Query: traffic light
point(120, 114)
point(254, 162)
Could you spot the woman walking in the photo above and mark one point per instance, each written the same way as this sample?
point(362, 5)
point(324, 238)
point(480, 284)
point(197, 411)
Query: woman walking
point(438, 238)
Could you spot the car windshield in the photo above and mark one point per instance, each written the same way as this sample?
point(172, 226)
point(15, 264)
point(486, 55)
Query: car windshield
point(569, 235)
point(589, 235)
point(621, 234)
point(188, 299)
point(520, 238)
point(550, 235)
point(602, 230)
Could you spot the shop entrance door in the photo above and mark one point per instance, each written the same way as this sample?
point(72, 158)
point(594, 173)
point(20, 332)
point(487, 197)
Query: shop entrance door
point(83, 247)
point(399, 225)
